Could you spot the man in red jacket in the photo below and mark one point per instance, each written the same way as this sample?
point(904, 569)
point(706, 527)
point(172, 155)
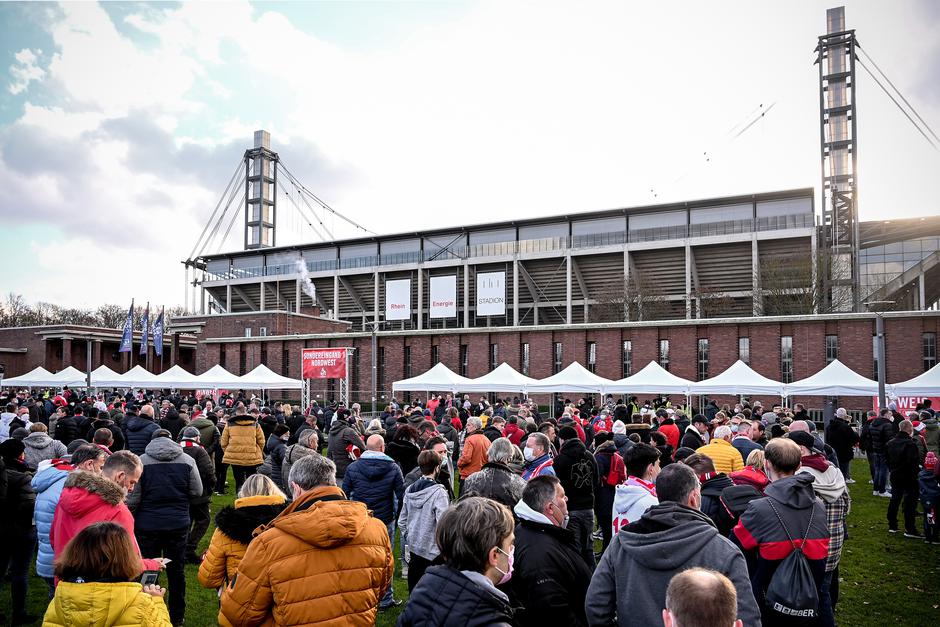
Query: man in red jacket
point(667, 426)
point(89, 498)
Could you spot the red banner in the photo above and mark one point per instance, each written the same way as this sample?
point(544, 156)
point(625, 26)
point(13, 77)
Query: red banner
point(324, 363)
point(909, 403)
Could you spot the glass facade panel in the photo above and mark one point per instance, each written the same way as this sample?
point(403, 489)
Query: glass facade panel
point(557, 358)
point(591, 356)
point(627, 358)
point(786, 359)
point(702, 359)
point(744, 349)
point(832, 348)
point(524, 358)
point(664, 354)
point(930, 351)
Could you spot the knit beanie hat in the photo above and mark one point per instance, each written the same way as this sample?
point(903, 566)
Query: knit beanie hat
point(930, 463)
point(619, 428)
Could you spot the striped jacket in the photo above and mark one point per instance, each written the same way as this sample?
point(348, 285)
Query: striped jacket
point(764, 540)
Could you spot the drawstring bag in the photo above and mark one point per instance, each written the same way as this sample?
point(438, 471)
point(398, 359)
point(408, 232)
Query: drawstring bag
point(792, 596)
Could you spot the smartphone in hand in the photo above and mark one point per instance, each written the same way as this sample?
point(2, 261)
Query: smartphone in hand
point(149, 577)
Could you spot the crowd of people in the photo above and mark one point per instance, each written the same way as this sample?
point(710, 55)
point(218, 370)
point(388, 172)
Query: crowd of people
point(735, 515)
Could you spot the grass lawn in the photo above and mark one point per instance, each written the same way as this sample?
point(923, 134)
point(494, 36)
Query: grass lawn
point(886, 578)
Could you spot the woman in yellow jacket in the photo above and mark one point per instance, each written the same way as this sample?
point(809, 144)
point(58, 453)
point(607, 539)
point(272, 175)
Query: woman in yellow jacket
point(99, 584)
point(258, 503)
point(243, 446)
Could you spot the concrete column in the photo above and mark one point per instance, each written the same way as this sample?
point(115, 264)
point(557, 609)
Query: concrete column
point(466, 295)
point(921, 292)
point(688, 282)
point(174, 348)
point(66, 353)
point(202, 301)
point(515, 292)
point(228, 298)
point(568, 288)
point(297, 295)
point(626, 283)
point(757, 299)
point(815, 269)
point(335, 297)
point(420, 298)
point(376, 297)
point(261, 305)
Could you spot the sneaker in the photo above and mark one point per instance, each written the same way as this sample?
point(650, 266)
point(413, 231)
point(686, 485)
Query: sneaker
point(913, 534)
point(404, 570)
point(886, 495)
point(872, 481)
point(850, 480)
point(391, 604)
point(875, 493)
point(892, 530)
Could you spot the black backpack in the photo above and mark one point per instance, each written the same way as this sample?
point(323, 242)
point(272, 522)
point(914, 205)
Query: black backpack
point(792, 597)
point(734, 500)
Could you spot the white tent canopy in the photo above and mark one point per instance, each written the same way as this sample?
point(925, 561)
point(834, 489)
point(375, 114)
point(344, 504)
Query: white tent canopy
point(438, 378)
point(138, 377)
point(69, 376)
point(924, 384)
point(176, 378)
point(836, 379)
point(36, 377)
point(574, 378)
point(263, 378)
point(104, 377)
point(216, 378)
point(503, 379)
point(652, 379)
point(738, 379)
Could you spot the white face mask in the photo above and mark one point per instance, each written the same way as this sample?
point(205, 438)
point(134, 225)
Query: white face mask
point(528, 453)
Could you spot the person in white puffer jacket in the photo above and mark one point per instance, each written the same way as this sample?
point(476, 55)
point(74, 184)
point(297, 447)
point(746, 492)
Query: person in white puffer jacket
point(638, 493)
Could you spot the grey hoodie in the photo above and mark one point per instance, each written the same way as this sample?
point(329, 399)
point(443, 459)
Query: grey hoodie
point(629, 585)
point(424, 504)
point(40, 447)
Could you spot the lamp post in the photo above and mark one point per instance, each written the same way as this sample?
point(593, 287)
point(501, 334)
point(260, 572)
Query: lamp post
point(880, 336)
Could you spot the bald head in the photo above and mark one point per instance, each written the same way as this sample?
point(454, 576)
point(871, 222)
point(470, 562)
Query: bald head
point(375, 443)
point(799, 425)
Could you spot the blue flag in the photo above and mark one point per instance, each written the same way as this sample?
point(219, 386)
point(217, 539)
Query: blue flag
point(145, 329)
point(128, 335)
point(158, 335)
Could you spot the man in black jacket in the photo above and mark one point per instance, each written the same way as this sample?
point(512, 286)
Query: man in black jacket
point(576, 468)
point(713, 484)
point(199, 506)
point(694, 435)
point(842, 438)
point(880, 433)
point(903, 461)
point(550, 577)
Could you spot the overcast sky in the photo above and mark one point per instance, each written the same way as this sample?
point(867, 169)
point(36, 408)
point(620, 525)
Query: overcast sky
point(120, 124)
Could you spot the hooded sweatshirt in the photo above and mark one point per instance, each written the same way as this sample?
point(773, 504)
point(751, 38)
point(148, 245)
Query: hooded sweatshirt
point(829, 485)
point(633, 574)
point(40, 447)
point(631, 500)
point(424, 504)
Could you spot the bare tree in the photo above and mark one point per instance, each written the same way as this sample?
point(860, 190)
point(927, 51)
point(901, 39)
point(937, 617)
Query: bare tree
point(790, 286)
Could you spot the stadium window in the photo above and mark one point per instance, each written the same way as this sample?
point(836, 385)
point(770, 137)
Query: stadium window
point(494, 356)
point(380, 374)
point(557, 355)
point(407, 365)
point(930, 351)
point(464, 360)
point(626, 359)
point(592, 356)
point(524, 358)
point(702, 359)
point(832, 348)
point(664, 354)
point(435, 355)
point(744, 349)
point(786, 358)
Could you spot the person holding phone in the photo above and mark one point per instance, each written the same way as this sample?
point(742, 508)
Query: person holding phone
point(100, 583)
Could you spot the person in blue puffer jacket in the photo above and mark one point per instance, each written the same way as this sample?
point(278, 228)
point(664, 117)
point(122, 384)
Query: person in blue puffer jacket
point(376, 480)
point(47, 484)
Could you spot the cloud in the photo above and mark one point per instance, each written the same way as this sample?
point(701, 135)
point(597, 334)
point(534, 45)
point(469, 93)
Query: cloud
point(25, 70)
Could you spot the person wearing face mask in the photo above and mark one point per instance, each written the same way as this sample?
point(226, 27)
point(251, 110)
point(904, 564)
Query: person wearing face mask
point(475, 537)
point(638, 493)
point(538, 457)
point(630, 583)
point(551, 576)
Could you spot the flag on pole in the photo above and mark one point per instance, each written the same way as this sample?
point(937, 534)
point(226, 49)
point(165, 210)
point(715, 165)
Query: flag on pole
point(158, 330)
point(128, 335)
point(145, 329)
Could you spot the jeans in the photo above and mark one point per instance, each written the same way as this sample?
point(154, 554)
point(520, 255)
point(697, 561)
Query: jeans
point(16, 553)
point(844, 467)
point(388, 597)
point(909, 491)
point(881, 472)
point(199, 517)
point(241, 473)
point(170, 544)
point(581, 524)
point(826, 616)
